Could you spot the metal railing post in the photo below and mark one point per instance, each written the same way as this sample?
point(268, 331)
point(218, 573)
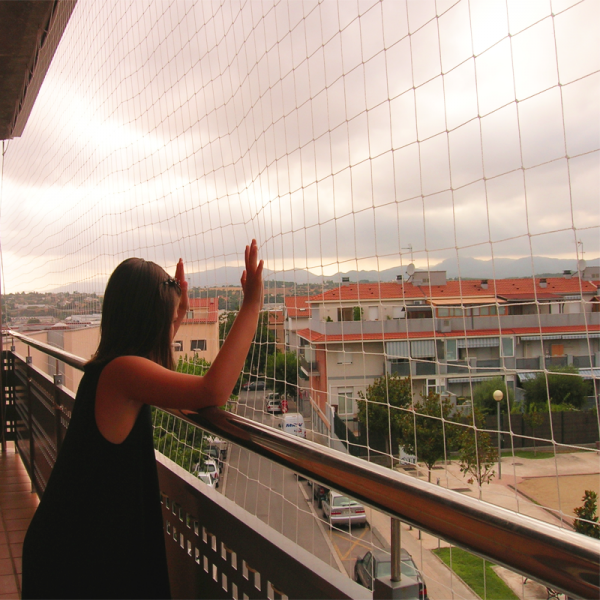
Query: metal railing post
point(396, 550)
point(58, 382)
point(29, 362)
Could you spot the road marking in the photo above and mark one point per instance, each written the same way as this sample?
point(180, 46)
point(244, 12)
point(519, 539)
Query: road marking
point(358, 543)
point(332, 548)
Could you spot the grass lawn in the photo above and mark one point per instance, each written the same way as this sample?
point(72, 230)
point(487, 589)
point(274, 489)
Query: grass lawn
point(529, 454)
point(470, 569)
point(539, 454)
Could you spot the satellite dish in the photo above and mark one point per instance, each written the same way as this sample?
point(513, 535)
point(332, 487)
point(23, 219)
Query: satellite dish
point(410, 269)
point(581, 265)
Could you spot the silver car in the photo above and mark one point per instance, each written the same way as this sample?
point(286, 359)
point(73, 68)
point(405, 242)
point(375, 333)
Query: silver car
point(341, 510)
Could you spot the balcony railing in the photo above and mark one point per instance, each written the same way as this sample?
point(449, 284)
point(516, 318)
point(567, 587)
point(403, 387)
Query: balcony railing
point(457, 367)
point(529, 364)
point(218, 550)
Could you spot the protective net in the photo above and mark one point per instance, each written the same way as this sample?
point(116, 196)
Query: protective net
point(422, 180)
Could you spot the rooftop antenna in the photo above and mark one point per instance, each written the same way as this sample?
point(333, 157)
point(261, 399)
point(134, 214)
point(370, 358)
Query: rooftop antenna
point(581, 264)
point(409, 247)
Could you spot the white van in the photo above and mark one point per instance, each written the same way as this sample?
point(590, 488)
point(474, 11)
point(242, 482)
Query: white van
point(292, 423)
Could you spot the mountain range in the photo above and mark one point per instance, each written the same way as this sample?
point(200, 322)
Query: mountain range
point(469, 268)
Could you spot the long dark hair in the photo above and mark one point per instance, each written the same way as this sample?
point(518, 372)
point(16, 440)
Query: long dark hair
point(137, 313)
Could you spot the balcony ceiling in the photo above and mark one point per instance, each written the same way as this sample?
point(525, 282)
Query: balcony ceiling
point(29, 34)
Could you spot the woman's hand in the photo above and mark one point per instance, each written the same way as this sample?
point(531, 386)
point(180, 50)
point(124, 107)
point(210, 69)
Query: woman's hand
point(252, 282)
point(184, 303)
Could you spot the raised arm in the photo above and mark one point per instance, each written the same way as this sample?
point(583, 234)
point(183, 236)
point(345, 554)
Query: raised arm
point(128, 382)
point(223, 374)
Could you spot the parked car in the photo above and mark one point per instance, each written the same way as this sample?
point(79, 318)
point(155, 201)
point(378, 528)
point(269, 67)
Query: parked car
point(273, 403)
point(377, 563)
point(212, 467)
point(257, 384)
point(206, 478)
point(208, 467)
point(341, 510)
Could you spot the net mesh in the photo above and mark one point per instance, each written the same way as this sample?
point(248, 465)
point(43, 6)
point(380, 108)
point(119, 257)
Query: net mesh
point(441, 155)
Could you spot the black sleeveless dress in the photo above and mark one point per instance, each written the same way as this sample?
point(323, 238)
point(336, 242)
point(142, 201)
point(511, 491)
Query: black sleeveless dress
point(98, 532)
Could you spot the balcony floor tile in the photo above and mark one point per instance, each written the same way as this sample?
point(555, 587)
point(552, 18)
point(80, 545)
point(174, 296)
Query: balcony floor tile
point(17, 506)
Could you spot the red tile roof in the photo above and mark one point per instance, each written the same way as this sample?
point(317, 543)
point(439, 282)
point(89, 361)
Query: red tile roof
point(210, 314)
point(296, 306)
point(528, 288)
point(320, 338)
point(275, 317)
point(204, 303)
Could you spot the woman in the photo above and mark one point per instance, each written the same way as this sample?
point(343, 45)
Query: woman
point(97, 532)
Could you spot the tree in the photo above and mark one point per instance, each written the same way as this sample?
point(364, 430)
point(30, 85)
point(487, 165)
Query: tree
point(226, 320)
point(563, 386)
point(477, 455)
point(283, 368)
point(193, 366)
point(483, 396)
point(377, 408)
point(262, 346)
point(587, 521)
point(534, 417)
point(425, 431)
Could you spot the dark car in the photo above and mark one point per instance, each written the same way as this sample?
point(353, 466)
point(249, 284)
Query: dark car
point(254, 385)
point(378, 563)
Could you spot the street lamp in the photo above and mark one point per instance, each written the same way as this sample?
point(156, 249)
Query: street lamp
point(498, 395)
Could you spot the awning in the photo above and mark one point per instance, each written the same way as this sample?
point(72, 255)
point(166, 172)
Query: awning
point(422, 348)
point(566, 336)
point(450, 380)
point(467, 301)
point(397, 350)
point(580, 336)
point(417, 349)
point(590, 373)
point(477, 342)
point(526, 376)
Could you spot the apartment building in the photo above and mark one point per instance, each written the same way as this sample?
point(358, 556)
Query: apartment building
point(198, 335)
point(446, 335)
point(296, 316)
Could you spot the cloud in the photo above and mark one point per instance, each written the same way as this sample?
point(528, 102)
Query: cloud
point(337, 134)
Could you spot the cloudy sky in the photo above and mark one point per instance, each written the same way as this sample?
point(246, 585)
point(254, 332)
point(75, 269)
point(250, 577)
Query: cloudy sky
point(341, 135)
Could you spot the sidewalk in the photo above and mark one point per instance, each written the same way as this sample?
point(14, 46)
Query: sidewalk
point(442, 583)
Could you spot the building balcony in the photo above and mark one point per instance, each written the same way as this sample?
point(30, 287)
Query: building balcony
point(308, 368)
point(217, 548)
point(457, 325)
point(529, 364)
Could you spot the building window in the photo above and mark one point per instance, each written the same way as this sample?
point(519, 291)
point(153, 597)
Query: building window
point(198, 345)
point(345, 402)
point(373, 313)
point(508, 347)
point(433, 386)
point(344, 358)
point(178, 346)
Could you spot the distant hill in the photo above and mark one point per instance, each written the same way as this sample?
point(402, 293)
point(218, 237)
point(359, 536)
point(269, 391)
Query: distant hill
point(469, 268)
